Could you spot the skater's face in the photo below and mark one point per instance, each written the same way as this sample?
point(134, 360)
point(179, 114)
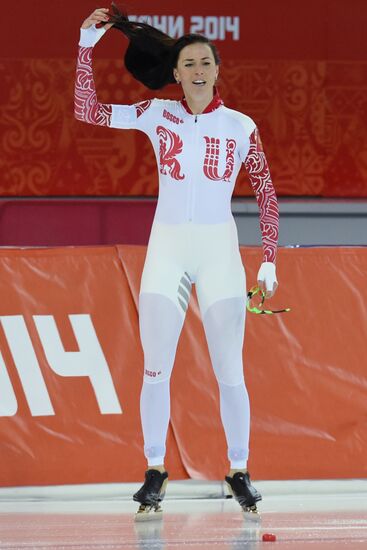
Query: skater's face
point(196, 71)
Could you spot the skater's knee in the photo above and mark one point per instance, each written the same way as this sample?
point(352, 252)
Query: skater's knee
point(229, 373)
point(156, 375)
point(158, 364)
point(227, 363)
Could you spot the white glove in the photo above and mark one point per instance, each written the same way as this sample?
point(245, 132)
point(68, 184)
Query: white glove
point(267, 279)
point(89, 37)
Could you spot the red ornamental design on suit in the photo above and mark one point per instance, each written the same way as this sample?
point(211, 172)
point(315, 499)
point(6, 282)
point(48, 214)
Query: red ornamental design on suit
point(142, 107)
point(170, 145)
point(212, 159)
point(259, 174)
point(87, 107)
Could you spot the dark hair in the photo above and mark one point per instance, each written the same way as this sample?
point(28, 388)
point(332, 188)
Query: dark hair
point(151, 54)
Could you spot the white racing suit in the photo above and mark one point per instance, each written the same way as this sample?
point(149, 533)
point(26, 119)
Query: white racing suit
point(193, 240)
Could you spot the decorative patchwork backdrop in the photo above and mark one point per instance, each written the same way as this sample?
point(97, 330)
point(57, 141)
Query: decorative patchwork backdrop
point(308, 97)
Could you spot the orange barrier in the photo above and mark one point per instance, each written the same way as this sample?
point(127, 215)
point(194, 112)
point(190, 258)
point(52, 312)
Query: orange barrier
point(71, 370)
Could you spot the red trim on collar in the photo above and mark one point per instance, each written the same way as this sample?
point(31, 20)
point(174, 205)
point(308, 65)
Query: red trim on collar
point(213, 105)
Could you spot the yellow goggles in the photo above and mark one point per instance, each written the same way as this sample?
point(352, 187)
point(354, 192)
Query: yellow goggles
point(259, 308)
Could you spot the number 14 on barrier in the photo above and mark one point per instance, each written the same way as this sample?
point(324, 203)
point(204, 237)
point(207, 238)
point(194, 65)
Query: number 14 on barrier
point(89, 361)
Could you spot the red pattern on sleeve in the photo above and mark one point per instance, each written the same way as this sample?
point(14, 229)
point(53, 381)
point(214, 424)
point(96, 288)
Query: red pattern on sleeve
point(86, 106)
point(142, 107)
point(258, 171)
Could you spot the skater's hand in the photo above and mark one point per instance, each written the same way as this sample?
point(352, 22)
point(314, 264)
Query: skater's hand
point(267, 279)
point(89, 33)
point(100, 15)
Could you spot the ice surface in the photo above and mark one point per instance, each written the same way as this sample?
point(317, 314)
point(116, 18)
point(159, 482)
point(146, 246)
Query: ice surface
point(325, 515)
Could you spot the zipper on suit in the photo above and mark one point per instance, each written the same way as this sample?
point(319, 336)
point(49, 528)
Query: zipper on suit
point(194, 182)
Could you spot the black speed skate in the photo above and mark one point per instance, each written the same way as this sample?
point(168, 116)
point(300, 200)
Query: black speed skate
point(150, 495)
point(242, 490)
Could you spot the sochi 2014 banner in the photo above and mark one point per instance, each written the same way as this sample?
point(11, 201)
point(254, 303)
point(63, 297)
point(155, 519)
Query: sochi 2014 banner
point(297, 68)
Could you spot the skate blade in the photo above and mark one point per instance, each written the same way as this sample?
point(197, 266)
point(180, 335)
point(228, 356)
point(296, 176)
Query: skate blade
point(249, 512)
point(148, 512)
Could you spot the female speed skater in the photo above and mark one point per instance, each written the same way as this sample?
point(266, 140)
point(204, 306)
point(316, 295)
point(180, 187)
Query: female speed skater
point(200, 145)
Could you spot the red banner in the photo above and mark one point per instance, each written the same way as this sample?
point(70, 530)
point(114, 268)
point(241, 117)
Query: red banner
point(71, 369)
point(298, 70)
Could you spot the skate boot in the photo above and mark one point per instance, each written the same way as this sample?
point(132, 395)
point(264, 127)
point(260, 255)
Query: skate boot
point(150, 495)
point(246, 495)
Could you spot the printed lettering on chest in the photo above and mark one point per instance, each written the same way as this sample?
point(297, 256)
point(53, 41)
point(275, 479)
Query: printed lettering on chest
point(171, 117)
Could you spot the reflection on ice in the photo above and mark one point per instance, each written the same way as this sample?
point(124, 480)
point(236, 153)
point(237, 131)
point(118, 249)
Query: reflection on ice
point(302, 515)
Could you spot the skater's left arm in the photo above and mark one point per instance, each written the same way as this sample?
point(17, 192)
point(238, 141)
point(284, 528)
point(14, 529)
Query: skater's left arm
point(259, 174)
